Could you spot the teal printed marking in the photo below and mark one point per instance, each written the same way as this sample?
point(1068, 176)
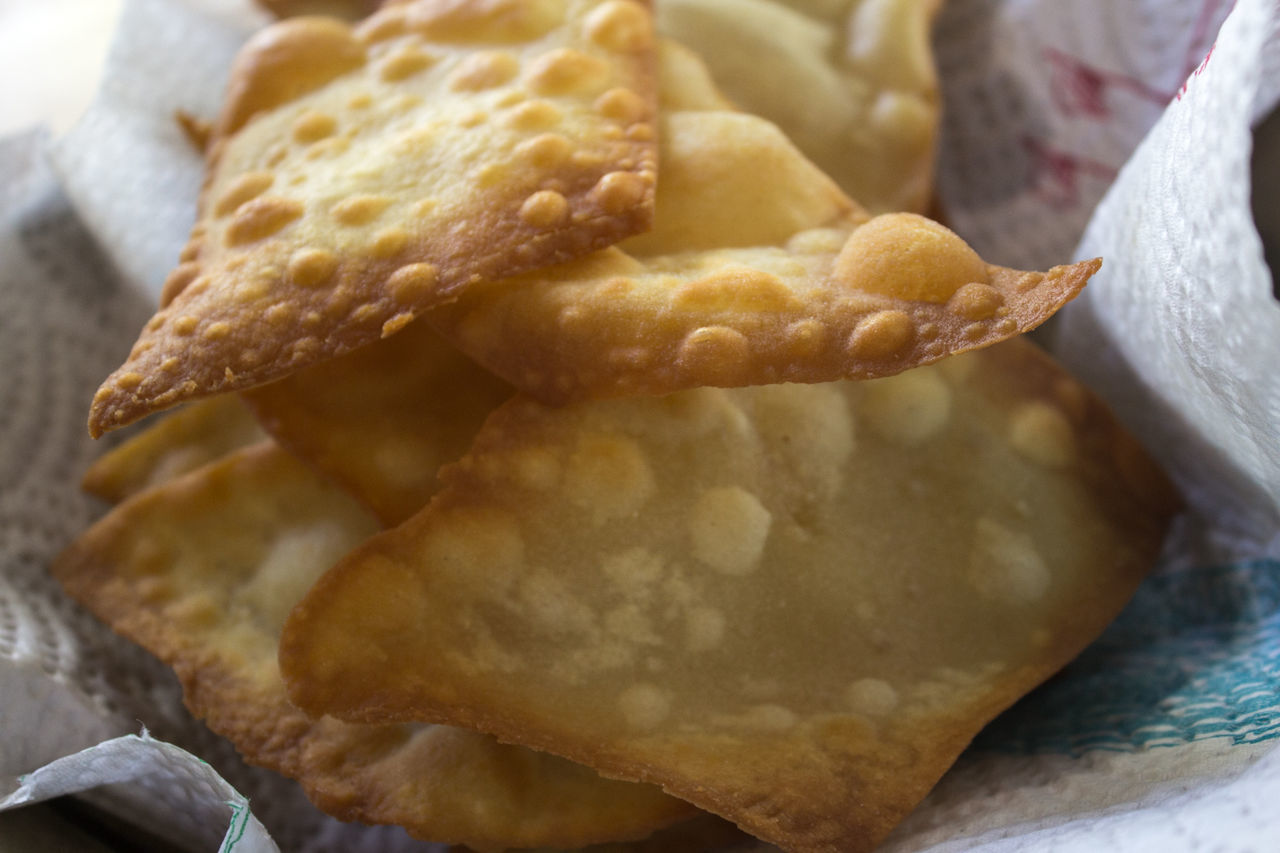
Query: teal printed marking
point(1195, 655)
point(239, 820)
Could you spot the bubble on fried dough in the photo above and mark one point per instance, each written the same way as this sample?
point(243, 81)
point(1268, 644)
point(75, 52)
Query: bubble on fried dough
point(871, 697)
point(545, 209)
point(389, 242)
point(535, 468)
point(720, 354)
point(545, 150)
point(404, 63)
point(976, 301)
point(621, 105)
point(535, 115)
point(644, 706)
point(1042, 434)
point(485, 71)
point(410, 281)
point(728, 528)
point(621, 25)
point(552, 604)
point(278, 585)
point(313, 125)
point(260, 218)
point(908, 257)
point(618, 191)
point(1005, 566)
point(609, 476)
point(813, 429)
point(215, 331)
point(245, 188)
point(736, 289)
point(312, 267)
point(882, 335)
point(565, 71)
point(359, 209)
point(910, 409)
point(185, 325)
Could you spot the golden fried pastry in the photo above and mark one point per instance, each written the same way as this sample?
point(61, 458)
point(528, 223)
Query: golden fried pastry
point(791, 605)
point(359, 176)
point(185, 440)
point(202, 571)
point(851, 82)
point(381, 421)
point(758, 270)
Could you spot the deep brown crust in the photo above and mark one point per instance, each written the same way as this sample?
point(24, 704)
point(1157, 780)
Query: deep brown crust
point(330, 217)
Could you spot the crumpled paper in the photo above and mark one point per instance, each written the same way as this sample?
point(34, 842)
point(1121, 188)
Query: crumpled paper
point(183, 786)
point(1161, 735)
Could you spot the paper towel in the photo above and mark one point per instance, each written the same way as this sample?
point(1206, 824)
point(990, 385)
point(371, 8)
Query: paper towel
point(1161, 734)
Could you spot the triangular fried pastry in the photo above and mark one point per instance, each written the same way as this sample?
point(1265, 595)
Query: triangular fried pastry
point(791, 605)
point(183, 441)
point(758, 270)
point(359, 176)
point(851, 82)
point(382, 420)
point(202, 571)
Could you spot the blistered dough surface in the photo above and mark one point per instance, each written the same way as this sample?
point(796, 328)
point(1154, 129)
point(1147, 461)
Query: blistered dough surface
point(851, 82)
point(204, 569)
point(359, 176)
point(758, 270)
point(792, 605)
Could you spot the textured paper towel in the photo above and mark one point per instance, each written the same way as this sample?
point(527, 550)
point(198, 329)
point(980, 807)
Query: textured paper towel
point(1164, 728)
point(186, 799)
point(1183, 337)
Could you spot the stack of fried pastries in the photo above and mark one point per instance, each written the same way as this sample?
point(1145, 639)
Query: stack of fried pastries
point(566, 455)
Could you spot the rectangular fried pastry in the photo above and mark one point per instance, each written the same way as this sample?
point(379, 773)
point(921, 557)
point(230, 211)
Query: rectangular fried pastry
point(791, 605)
point(202, 571)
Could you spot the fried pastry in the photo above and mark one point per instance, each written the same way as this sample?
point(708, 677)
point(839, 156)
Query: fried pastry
point(791, 605)
point(758, 270)
point(381, 421)
point(851, 82)
point(202, 571)
point(183, 441)
point(358, 176)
